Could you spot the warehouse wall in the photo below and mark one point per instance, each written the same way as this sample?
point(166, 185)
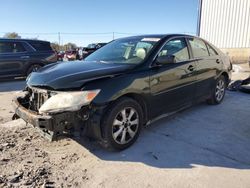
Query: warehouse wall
point(238, 55)
point(226, 23)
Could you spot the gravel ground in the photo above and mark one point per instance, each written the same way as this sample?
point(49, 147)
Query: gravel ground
point(204, 146)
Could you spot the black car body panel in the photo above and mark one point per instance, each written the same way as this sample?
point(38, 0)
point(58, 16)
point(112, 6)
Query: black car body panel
point(159, 89)
point(18, 55)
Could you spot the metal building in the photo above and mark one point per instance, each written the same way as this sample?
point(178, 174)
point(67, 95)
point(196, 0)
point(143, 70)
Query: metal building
point(226, 24)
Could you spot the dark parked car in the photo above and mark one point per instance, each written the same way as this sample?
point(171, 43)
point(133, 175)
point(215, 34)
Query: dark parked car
point(60, 55)
point(70, 55)
point(19, 57)
point(91, 48)
point(126, 84)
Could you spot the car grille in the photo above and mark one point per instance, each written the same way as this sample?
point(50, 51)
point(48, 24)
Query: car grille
point(37, 97)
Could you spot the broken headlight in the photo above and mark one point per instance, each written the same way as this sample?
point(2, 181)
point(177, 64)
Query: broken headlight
point(68, 101)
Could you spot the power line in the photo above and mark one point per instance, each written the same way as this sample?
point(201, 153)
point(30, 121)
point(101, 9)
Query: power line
point(107, 33)
point(88, 34)
point(32, 33)
point(63, 33)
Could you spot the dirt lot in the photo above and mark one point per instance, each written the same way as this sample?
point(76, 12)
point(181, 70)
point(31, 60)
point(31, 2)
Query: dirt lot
point(204, 146)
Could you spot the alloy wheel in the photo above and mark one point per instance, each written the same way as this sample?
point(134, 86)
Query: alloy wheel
point(35, 68)
point(125, 125)
point(220, 90)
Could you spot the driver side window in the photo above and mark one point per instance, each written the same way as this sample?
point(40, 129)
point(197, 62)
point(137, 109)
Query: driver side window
point(176, 47)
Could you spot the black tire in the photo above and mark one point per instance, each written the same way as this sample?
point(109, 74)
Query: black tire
point(220, 87)
point(33, 68)
point(111, 129)
point(245, 88)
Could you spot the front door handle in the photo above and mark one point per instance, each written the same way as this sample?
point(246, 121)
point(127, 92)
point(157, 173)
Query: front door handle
point(217, 61)
point(190, 68)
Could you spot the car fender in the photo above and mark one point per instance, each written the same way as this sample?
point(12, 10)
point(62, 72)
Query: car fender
point(115, 87)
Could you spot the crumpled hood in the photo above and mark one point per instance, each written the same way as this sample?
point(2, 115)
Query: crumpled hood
point(69, 75)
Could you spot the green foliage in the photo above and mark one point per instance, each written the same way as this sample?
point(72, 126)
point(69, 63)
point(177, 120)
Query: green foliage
point(12, 35)
point(68, 46)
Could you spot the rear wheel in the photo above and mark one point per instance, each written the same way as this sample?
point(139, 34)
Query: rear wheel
point(33, 68)
point(218, 92)
point(122, 124)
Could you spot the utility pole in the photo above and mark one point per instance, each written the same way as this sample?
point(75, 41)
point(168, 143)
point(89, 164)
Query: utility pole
point(200, 4)
point(59, 38)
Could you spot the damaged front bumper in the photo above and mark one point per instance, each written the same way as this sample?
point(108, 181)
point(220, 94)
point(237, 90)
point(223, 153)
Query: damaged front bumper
point(86, 121)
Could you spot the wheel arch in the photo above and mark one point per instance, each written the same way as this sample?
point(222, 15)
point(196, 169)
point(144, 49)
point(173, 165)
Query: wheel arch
point(226, 76)
point(31, 64)
point(140, 99)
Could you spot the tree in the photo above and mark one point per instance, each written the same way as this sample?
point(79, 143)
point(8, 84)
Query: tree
point(12, 35)
point(70, 46)
point(55, 46)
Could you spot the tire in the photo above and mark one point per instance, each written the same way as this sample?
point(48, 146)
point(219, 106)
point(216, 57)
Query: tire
point(218, 92)
point(33, 68)
point(122, 124)
point(245, 88)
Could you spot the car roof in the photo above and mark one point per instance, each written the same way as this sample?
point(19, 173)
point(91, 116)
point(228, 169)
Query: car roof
point(161, 36)
point(21, 40)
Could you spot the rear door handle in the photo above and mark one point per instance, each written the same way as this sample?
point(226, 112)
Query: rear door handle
point(217, 61)
point(190, 68)
point(25, 57)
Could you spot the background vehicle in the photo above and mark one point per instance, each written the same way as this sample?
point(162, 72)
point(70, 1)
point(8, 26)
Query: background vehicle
point(19, 57)
point(60, 55)
point(70, 55)
point(91, 48)
point(124, 85)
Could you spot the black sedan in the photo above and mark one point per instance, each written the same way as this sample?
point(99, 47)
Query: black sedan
point(123, 86)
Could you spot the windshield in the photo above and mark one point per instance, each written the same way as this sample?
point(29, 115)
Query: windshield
point(91, 46)
point(128, 50)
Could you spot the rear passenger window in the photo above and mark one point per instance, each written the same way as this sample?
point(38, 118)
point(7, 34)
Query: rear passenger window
point(11, 47)
point(6, 47)
point(176, 47)
point(18, 47)
point(41, 46)
point(199, 48)
point(212, 51)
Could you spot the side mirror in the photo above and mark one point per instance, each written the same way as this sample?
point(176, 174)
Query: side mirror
point(167, 59)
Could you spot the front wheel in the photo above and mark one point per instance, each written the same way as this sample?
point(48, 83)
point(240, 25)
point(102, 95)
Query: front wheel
point(33, 68)
point(122, 124)
point(218, 91)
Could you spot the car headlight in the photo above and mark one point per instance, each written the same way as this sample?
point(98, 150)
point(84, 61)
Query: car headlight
point(68, 101)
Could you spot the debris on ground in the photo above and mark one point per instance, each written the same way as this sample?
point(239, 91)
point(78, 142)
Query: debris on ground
point(240, 85)
point(205, 146)
point(25, 162)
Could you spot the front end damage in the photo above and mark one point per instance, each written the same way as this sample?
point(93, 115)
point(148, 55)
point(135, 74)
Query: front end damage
point(52, 125)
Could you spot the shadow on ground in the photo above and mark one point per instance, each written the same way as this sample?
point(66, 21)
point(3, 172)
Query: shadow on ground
point(214, 136)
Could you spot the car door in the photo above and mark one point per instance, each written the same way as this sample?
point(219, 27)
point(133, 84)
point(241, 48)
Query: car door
point(208, 66)
point(12, 58)
point(172, 85)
